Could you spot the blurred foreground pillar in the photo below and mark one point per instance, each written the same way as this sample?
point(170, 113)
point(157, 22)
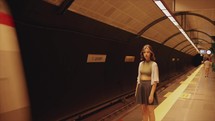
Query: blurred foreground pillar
point(14, 101)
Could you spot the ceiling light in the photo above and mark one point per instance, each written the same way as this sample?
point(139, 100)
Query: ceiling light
point(159, 4)
point(166, 12)
point(172, 19)
point(208, 52)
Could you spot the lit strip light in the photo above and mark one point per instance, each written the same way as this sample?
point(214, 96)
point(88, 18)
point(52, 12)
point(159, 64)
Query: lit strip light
point(172, 19)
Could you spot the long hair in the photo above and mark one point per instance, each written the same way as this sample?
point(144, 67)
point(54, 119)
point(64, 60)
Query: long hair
point(152, 57)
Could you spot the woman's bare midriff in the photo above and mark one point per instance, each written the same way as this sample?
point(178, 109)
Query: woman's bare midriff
point(145, 77)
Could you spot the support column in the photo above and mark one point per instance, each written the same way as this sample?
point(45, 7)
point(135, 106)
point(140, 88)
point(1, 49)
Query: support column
point(14, 101)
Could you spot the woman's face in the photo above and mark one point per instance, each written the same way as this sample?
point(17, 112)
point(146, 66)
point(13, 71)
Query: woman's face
point(147, 54)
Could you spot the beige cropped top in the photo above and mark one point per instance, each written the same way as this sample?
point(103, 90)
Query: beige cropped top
point(149, 68)
point(146, 68)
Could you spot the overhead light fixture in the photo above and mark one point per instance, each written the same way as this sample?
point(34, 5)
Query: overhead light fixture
point(208, 52)
point(173, 20)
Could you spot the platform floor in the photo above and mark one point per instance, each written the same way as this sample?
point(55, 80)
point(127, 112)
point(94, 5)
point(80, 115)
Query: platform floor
point(190, 98)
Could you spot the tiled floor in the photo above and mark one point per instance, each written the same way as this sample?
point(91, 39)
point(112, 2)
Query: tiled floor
point(190, 98)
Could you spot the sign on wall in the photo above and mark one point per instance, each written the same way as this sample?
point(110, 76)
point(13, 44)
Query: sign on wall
point(96, 58)
point(129, 58)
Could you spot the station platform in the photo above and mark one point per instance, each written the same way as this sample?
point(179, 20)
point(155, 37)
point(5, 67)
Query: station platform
point(190, 97)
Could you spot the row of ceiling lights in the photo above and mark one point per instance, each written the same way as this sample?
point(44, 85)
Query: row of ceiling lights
point(173, 20)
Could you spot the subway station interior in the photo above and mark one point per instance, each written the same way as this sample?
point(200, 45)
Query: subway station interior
point(77, 60)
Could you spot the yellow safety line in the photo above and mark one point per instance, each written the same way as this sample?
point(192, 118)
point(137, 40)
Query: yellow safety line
point(162, 109)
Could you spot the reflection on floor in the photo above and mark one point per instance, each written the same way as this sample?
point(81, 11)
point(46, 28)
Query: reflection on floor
point(190, 98)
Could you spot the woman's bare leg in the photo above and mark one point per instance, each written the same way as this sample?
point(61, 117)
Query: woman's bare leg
point(151, 112)
point(145, 113)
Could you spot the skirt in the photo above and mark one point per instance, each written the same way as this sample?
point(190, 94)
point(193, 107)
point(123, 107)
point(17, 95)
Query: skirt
point(143, 91)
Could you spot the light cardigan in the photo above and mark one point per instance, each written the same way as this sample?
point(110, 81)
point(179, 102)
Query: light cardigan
point(154, 74)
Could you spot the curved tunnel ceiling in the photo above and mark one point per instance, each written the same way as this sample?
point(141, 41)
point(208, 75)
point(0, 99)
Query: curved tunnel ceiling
point(198, 40)
point(145, 19)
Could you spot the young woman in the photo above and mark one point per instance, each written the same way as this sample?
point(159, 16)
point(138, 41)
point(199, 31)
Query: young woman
point(147, 80)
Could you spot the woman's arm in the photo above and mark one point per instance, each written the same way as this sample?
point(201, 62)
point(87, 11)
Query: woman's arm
point(155, 74)
point(154, 81)
point(151, 96)
point(138, 74)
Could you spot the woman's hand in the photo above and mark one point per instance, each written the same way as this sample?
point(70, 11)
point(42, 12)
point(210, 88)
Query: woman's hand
point(151, 99)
